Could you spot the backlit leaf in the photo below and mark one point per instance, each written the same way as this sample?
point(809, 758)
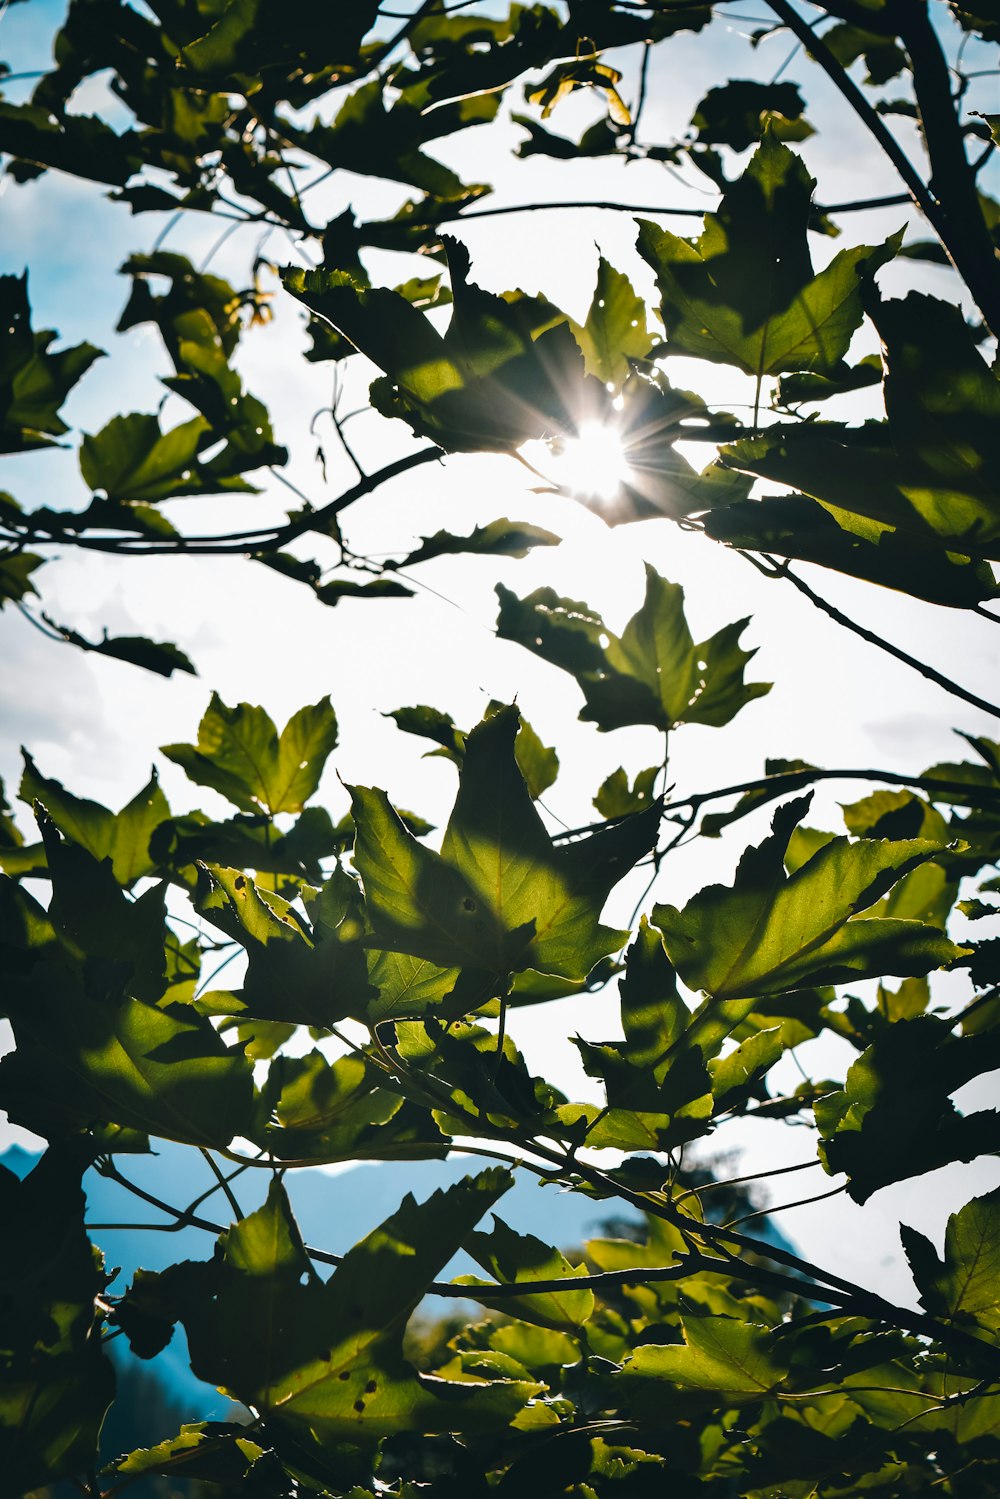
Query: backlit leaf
point(654, 673)
point(240, 754)
point(500, 896)
point(745, 293)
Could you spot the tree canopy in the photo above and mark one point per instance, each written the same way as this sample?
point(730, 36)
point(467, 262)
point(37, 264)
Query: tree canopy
point(381, 965)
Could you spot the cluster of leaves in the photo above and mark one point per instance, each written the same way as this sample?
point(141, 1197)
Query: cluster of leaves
point(685, 1340)
point(375, 968)
point(219, 97)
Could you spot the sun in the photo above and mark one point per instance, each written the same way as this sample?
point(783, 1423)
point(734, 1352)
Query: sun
point(593, 465)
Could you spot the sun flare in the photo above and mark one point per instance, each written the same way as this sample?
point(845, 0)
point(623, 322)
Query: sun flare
point(593, 465)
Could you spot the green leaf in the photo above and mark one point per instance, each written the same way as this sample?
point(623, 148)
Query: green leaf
point(33, 382)
point(324, 1362)
point(246, 36)
point(894, 1117)
point(408, 987)
point(807, 387)
point(82, 145)
point(94, 918)
point(650, 418)
point(535, 1347)
point(15, 575)
point(311, 974)
point(964, 1286)
point(929, 473)
point(600, 139)
point(654, 673)
point(658, 1094)
point(616, 798)
point(720, 1356)
point(884, 58)
point(500, 538)
point(55, 1381)
point(250, 841)
point(432, 724)
point(124, 838)
point(736, 1074)
point(240, 754)
point(537, 762)
point(132, 460)
point(615, 330)
point(213, 1451)
point(512, 1257)
point(333, 1111)
point(744, 293)
point(713, 823)
point(84, 1059)
point(768, 933)
point(195, 308)
point(160, 657)
point(799, 528)
point(735, 114)
point(500, 897)
point(367, 137)
point(336, 589)
point(506, 370)
point(485, 1083)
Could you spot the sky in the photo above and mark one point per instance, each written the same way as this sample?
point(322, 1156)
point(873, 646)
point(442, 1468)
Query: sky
point(96, 724)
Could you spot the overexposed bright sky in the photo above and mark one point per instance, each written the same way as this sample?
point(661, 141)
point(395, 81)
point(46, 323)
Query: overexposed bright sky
point(96, 724)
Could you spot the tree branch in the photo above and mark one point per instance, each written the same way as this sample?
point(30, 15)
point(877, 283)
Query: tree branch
point(929, 672)
point(953, 181)
point(914, 27)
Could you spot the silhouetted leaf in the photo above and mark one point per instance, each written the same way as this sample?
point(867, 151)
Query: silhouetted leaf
point(501, 538)
point(123, 837)
point(736, 113)
point(894, 1117)
point(654, 673)
point(55, 1381)
point(324, 1362)
point(33, 382)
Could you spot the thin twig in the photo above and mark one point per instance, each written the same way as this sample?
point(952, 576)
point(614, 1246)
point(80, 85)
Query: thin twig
point(953, 688)
point(784, 1207)
point(223, 1182)
point(752, 1176)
